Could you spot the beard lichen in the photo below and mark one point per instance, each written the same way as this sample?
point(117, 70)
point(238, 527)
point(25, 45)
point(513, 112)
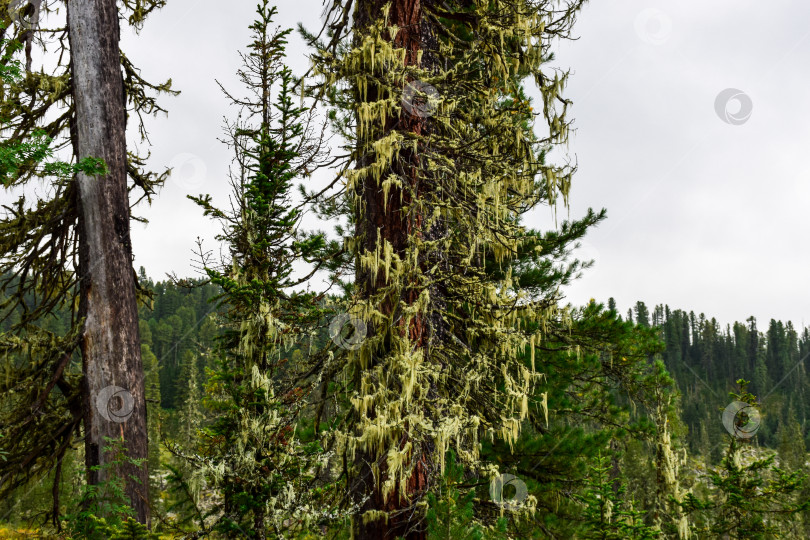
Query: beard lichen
point(437, 197)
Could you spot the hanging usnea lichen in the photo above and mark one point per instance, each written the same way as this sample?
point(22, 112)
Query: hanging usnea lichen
point(253, 454)
point(445, 159)
point(668, 464)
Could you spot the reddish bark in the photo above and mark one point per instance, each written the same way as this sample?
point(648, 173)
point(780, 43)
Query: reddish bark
point(397, 227)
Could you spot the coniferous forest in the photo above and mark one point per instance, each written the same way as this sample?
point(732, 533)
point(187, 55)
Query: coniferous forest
point(410, 368)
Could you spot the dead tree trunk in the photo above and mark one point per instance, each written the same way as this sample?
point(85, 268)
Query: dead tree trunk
point(113, 386)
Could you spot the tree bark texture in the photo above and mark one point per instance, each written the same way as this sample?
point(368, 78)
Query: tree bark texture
point(114, 403)
point(396, 226)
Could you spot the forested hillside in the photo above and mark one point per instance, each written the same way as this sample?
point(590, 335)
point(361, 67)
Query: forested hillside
point(180, 329)
point(705, 358)
point(379, 344)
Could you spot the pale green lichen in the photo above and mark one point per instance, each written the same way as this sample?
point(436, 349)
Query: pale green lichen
point(462, 184)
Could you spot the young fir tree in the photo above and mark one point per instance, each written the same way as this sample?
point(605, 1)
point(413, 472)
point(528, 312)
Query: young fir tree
point(608, 514)
point(153, 416)
point(185, 490)
point(667, 514)
point(104, 511)
point(190, 417)
point(74, 235)
point(451, 511)
point(437, 180)
point(751, 497)
point(252, 453)
point(791, 446)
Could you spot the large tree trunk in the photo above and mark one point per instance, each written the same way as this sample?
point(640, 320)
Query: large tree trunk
point(113, 387)
point(395, 225)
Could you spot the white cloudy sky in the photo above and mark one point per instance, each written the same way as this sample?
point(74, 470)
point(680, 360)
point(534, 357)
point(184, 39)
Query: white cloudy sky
point(703, 214)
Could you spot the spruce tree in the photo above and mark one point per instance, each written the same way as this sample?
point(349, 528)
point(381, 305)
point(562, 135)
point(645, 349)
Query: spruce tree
point(190, 417)
point(252, 453)
point(642, 314)
point(608, 514)
point(153, 415)
point(189, 394)
point(751, 497)
point(451, 509)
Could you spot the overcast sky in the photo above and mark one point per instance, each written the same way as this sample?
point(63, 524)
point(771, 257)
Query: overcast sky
point(706, 199)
